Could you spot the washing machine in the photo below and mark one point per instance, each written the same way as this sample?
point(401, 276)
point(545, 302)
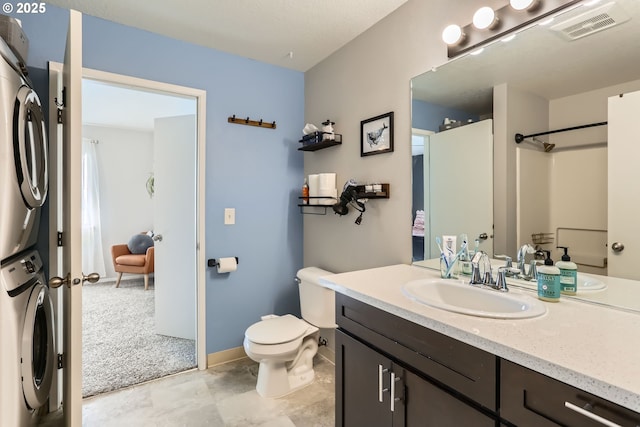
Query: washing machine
point(27, 353)
point(23, 156)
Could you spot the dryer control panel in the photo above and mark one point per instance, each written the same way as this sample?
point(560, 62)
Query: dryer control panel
point(20, 270)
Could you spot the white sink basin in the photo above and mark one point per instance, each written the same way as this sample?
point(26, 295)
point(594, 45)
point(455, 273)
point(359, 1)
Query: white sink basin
point(460, 297)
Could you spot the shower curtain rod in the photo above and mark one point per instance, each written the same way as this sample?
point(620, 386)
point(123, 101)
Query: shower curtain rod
point(520, 137)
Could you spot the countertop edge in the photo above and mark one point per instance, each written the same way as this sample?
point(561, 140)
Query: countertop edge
point(581, 380)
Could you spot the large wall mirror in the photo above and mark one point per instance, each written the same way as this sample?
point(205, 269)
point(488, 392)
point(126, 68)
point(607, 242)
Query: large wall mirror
point(556, 189)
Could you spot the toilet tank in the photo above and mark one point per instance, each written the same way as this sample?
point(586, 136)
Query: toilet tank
point(317, 303)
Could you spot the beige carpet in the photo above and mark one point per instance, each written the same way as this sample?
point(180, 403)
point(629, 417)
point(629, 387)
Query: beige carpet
point(119, 344)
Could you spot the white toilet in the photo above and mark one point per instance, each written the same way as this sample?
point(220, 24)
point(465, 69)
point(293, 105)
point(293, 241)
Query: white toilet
point(285, 345)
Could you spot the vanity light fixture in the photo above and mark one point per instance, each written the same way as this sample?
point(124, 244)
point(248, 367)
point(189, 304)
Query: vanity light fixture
point(453, 35)
point(545, 22)
point(524, 4)
point(490, 25)
point(485, 18)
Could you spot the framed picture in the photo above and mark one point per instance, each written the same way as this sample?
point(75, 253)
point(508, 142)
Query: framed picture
point(376, 135)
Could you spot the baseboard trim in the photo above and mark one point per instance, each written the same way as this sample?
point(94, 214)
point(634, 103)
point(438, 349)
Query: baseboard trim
point(225, 356)
point(328, 354)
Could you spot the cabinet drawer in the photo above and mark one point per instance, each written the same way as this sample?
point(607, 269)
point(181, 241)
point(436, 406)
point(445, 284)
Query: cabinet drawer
point(452, 364)
point(528, 398)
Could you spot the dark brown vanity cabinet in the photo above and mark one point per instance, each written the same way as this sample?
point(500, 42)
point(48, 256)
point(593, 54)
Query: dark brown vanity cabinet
point(528, 398)
point(417, 378)
point(392, 372)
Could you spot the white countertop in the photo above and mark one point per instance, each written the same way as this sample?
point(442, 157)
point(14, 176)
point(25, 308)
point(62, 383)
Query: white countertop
point(594, 348)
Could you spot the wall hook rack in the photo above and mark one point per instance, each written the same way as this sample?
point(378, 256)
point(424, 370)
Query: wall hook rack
point(248, 122)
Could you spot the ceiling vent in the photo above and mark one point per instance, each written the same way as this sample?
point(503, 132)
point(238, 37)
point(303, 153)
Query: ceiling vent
point(597, 19)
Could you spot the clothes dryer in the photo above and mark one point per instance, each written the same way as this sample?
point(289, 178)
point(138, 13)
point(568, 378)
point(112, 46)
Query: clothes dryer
point(23, 157)
point(27, 353)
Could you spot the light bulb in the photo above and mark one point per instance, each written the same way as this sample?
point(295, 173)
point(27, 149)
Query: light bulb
point(522, 4)
point(484, 17)
point(452, 34)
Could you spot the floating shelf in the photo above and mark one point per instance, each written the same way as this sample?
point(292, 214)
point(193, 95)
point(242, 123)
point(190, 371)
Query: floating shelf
point(309, 145)
point(315, 209)
point(361, 194)
point(384, 194)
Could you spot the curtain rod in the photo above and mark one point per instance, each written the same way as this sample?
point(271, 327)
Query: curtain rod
point(520, 137)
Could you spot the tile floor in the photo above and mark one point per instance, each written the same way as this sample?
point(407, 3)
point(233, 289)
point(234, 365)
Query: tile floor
point(223, 395)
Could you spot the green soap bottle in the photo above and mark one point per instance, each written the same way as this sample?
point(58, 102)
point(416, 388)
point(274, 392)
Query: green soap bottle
point(549, 280)
point(568, 273)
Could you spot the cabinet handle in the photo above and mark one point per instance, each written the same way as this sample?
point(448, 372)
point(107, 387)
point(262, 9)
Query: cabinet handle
point(594, 417)
point(381, 371)
point(394, 399)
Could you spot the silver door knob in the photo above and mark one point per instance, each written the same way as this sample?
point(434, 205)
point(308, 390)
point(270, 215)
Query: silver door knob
point(483, 236)
point(56, 282)
point(617, 247)
point(157, 238)
point(91, 278)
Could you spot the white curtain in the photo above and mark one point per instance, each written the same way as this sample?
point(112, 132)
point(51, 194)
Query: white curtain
point(92, 254)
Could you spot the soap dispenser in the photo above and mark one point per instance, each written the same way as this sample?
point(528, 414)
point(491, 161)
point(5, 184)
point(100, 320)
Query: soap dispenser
point(568, 273)
point(549, 280)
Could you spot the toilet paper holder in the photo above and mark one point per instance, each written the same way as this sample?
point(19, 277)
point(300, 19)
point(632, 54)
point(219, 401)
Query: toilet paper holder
point(214, 263)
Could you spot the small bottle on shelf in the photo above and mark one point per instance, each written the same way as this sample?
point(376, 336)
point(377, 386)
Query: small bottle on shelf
point(305, 192)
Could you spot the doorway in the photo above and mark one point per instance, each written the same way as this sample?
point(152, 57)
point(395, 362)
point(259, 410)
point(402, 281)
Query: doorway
point(129, 135)
point(197, 284)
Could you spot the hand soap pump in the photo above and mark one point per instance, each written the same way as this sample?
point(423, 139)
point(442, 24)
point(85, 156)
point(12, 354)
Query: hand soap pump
point(549, 280)
point(568, 273)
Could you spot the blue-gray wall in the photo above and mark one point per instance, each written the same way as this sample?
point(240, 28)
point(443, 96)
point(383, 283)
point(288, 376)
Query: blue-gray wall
point(257, 171)
point(428, 116)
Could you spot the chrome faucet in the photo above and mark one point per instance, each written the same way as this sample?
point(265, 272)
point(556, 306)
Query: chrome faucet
point(486, 279)
point(522, 254)
point(481, 258)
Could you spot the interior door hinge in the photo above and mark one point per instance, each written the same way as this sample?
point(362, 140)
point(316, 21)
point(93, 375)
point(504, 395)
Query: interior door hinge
point(60, 361)
point(61, 104)
point(59, 239)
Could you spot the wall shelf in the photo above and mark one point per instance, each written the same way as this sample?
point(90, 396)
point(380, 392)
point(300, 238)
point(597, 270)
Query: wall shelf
point(308, 143)
point(361, 194)
point(315, 209)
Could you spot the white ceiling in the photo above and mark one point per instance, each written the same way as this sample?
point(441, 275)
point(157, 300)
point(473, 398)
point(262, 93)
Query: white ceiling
point(110, 105)
point(264, 30)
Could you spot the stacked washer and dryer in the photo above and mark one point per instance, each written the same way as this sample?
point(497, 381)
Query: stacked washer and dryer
point(27, 354)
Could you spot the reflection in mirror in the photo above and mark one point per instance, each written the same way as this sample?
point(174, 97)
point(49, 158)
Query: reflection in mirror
point(542, 81)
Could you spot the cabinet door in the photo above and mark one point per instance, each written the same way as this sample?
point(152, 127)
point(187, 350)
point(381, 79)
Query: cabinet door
point(426, 405)
point(362, 390)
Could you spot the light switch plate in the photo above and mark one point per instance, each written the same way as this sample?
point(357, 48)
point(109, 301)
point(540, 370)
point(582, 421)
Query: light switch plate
point(229, 216)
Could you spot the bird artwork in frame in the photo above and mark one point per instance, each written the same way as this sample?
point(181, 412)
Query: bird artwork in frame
point(376, 135)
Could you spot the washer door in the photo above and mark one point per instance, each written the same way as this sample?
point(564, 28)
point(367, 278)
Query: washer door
point(38, 354)
point(30, 148)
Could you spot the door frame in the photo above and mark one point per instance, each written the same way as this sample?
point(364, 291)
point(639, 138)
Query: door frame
point(55, 69)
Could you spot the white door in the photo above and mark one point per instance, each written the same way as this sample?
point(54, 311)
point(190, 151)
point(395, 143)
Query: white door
point(175, 178)
point(624, 174)
point(68, 261)
point(460, 185)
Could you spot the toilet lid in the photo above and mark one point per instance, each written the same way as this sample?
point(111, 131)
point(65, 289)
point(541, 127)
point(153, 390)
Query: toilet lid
point(276, 330)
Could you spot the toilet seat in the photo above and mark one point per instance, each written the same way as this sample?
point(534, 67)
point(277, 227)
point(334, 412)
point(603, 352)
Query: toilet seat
point(277, 330)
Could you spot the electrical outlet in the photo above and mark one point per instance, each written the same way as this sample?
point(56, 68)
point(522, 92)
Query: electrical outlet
point(229, 216)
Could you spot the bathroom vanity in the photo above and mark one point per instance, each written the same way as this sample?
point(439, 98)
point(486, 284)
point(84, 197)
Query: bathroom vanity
point(399, 362)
